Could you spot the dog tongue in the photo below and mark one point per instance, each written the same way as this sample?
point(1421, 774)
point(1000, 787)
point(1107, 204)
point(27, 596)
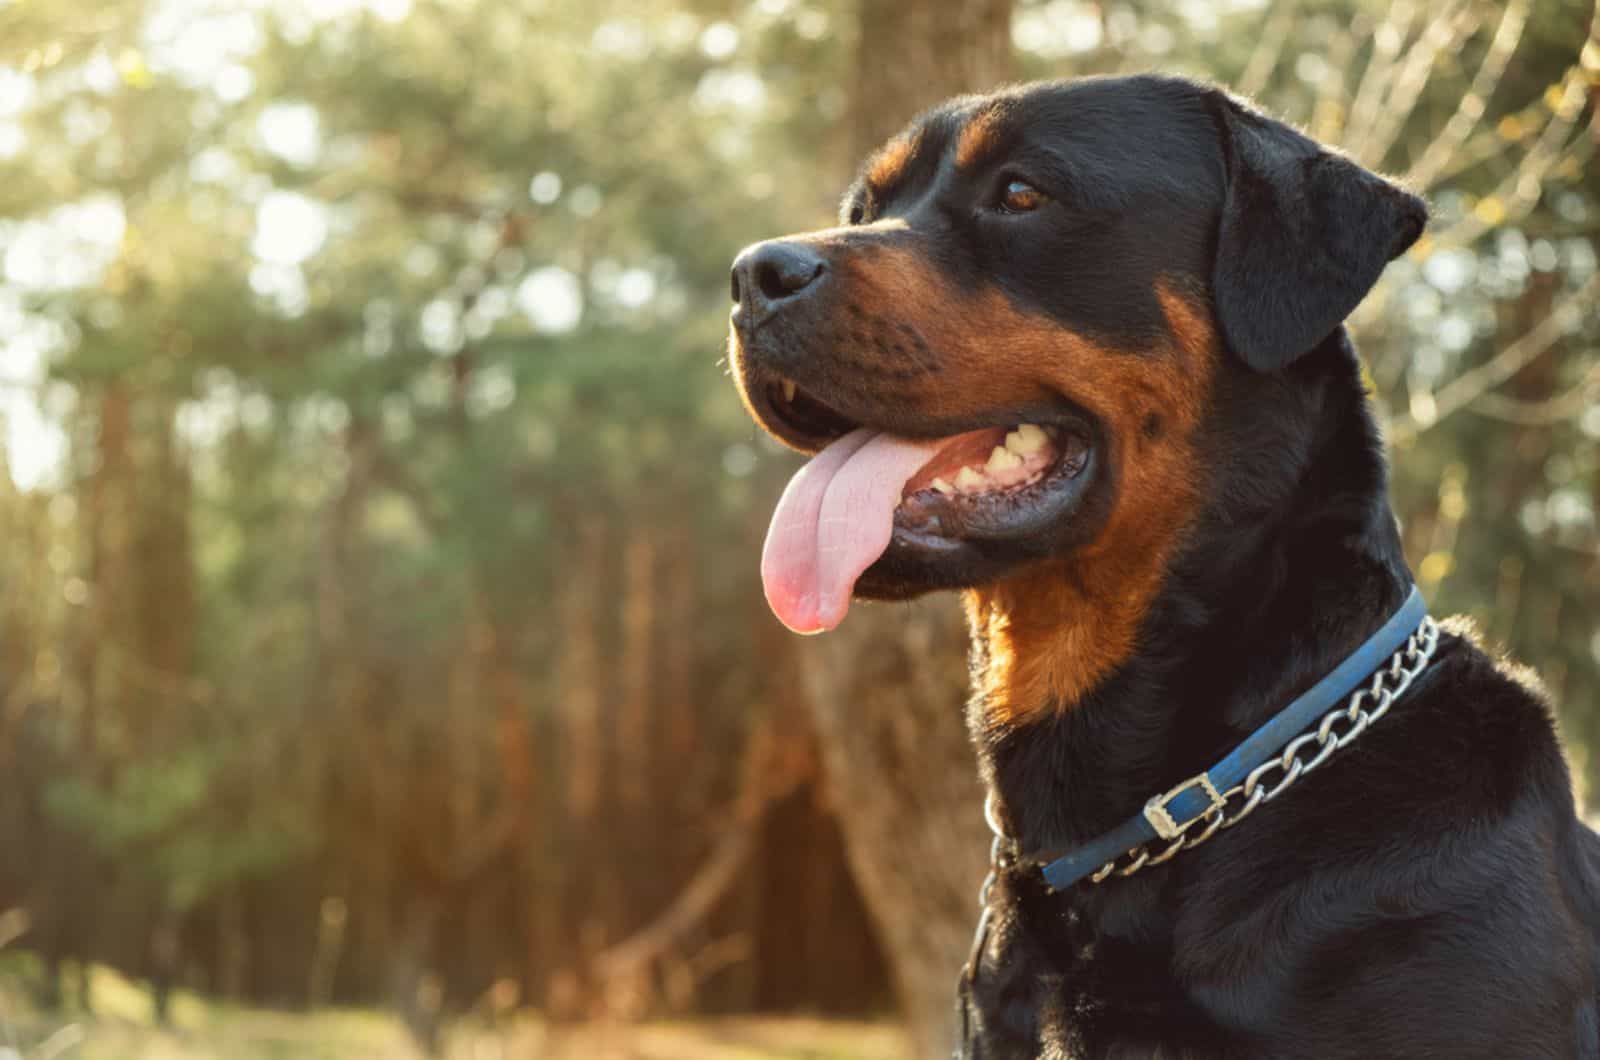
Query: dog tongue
point(834, 520)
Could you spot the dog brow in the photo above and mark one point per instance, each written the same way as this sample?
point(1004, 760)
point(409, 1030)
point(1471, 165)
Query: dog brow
point(980, 137)
point(888, 165)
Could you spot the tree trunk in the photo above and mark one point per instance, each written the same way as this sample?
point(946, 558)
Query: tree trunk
point(886, 690)
point(911, 56)
point(634, 736)
point(886, 693)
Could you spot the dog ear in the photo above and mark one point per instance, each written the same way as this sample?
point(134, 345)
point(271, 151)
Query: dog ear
point(1304, 235)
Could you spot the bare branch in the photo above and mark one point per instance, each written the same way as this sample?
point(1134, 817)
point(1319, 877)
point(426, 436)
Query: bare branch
point(1561, 407)
point(1519, 192)
point(1520, 129)
point(691, 906)
point(1444, 33)
point(1264, 59)
point(1469, 112)
point(1379, 74)
point(1533, 122)
point(624, 966)
point(1329, 111)
point(1428, 410)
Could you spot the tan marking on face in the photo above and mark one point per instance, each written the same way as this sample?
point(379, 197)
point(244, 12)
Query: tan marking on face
point(979, 138)
point(890, 161)
point(1055, 632)
point(1054, 635)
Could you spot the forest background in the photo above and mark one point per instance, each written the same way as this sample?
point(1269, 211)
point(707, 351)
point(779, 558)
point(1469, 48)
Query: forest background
point(379, 620)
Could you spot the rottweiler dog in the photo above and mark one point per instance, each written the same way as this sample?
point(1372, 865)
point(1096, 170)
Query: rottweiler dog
point(1077, 349)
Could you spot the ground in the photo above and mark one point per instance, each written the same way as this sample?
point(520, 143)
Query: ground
point(201, 1030)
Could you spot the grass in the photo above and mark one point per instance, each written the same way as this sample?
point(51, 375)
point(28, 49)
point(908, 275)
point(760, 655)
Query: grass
point(121, 1029)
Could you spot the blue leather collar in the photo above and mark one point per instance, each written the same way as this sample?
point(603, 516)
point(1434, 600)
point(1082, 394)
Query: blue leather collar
point(1166, 816)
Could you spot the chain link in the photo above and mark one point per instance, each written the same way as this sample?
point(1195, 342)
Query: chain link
point(1337, 729)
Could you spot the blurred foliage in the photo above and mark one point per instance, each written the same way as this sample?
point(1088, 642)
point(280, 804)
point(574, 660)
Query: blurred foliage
point(385, 525)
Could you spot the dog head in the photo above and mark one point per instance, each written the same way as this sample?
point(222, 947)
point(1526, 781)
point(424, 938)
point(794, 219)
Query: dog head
point(1005, 352)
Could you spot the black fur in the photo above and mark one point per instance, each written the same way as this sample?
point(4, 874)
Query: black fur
point(1430, 892)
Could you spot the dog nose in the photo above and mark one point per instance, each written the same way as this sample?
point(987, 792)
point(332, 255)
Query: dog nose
point(768, 275)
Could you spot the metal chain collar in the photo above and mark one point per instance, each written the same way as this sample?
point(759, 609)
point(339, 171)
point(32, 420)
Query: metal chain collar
point(1303, 754)
point(1000, 858)
point(1337, 728)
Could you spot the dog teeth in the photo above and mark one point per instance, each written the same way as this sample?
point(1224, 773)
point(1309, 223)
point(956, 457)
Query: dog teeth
point(1002, 459)
point(1026, 440)
point(788, 390)
point(942, 486)
point(968, 480)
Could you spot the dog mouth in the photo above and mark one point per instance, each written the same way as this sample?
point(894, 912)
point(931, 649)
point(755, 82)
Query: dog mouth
point(980, 481)
point(914, 495)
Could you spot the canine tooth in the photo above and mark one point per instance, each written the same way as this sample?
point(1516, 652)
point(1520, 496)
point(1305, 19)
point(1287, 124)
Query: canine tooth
point(788, 390)
point(942, 486)
point(1026, 440)
point(968, 480)
point(1002, 459)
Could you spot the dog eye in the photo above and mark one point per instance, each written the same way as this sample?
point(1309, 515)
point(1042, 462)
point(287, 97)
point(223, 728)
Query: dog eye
point(1020, 197)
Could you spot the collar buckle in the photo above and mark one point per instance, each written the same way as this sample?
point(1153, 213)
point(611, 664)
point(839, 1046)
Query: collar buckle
point(1159, 811)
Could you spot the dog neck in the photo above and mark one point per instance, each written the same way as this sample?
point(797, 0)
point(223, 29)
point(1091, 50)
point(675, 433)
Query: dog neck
point(1290, 566)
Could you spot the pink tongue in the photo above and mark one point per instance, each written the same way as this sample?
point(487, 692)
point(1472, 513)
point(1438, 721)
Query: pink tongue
point(834, 520)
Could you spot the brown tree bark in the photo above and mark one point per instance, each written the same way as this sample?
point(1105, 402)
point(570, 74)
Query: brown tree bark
point(886, 693)
point(581, 665)
point(634, 736)
point(676, 697)
point(886, 690)
point(911, 56)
